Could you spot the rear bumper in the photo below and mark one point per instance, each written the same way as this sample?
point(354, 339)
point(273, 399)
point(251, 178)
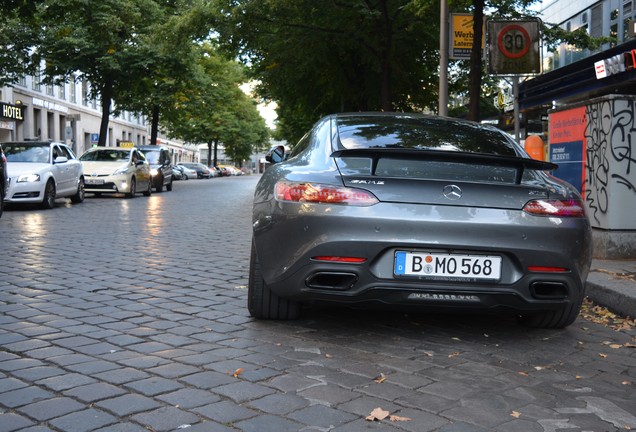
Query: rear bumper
point(287, 236)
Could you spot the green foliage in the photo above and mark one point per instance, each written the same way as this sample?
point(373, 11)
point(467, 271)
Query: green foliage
point(315, 58)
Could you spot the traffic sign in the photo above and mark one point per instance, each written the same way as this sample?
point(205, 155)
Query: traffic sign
point(513, 47)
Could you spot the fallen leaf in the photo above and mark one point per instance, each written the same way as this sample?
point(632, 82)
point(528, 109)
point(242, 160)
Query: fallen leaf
point(522, 373)
point(602, 355)
point(515, 414)
point(380, 379)
point(395, 418)
point(539, 368)
point(328, 355)
point(454, 354)
point(377, 414)
point(615, 346)
point(626, 383)
point(578, 377)
point(456, 339)
point(629, 345)
point(237, 372)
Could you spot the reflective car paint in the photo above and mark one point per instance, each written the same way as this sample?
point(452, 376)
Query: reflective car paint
point(544, 259)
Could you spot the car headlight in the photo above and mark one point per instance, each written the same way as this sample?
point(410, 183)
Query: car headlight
point(29, 178)
point(154, 172)
point(122, 170)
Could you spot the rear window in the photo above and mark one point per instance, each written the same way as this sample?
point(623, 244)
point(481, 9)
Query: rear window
point(409, 132)
point(423, 133)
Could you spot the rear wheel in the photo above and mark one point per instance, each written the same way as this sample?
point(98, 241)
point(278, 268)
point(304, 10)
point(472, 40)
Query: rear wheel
point(169, 185)
point(159, 187)
point(555, 318)
point(133, 188)
point(48, 201)
point(262, 303)
point(149, 191)
point(80, 194)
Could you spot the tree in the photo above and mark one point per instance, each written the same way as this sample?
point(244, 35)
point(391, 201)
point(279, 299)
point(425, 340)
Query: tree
point(18, 35)
point(174, 40)
point(211, 107)
point(317, 58)
point(99, 42)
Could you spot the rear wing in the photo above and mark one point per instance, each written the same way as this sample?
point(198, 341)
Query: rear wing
point(518, 163)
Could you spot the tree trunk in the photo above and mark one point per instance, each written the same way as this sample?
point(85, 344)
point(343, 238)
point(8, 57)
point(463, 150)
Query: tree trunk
point(387, 69)
point(107, 95)
point(474, 89)
point(209, 153)
point(154, 127)
point(216, 149)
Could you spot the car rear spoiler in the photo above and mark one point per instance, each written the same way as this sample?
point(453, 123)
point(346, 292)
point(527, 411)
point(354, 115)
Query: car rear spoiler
point(519, 163)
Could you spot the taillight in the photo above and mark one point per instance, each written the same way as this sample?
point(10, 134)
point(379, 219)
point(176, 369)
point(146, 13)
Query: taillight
point(556, 208)
point(545, 269)
point(320, 193)
point(340, 259)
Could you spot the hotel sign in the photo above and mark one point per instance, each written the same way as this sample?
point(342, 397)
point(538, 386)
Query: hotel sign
point(11, 112)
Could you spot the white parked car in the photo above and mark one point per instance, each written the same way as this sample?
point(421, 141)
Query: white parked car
point(189, 173)
point(42, 171)
point(116, 170)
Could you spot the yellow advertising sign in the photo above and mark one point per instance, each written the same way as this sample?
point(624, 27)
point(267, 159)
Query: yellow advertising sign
point(461, 32)
point(126, 144)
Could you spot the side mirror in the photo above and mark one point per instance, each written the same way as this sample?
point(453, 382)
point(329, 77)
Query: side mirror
point(276, 154)
point(60, 159)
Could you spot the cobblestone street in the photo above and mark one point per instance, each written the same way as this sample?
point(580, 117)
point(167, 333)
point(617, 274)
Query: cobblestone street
point(126, 315)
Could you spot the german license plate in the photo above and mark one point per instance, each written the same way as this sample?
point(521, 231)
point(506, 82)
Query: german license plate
point(483, 267)
point(90, 181)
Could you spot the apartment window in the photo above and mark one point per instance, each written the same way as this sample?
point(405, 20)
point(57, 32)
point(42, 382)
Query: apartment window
point(22, 81)
point(568, 26)
point(73, 89)
point(84, 93)
point(614, 15)
point(36, 85)
point(584, 18)
point(49, 89)
point(597, 21)
point(614, 30)
point(627, 7)
point(626, 28)
point(61, 91)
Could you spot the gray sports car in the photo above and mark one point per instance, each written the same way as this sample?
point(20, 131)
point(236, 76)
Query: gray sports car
point(418, 212)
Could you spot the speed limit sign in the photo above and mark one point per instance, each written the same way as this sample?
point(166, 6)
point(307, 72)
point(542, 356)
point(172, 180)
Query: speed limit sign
point(513, 47)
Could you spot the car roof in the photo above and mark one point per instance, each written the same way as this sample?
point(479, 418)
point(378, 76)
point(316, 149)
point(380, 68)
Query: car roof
point(32, 143)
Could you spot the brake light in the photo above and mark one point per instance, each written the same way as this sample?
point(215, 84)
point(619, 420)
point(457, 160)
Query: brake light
point(555, 208)
point(340, 259)
point(544, 269)
point(319, 193)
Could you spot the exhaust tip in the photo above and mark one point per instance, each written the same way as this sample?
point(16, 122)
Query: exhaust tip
point(332, 280)
point(549, 290)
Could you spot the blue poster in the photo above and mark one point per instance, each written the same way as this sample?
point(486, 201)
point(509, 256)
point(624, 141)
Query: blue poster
point(569, 157)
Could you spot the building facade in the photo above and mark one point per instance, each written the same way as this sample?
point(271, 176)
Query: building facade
point(35, 111)
point(610, 18)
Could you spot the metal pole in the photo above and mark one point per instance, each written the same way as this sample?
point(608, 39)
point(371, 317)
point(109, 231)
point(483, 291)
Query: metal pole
point(443, 58)
point(515, 96)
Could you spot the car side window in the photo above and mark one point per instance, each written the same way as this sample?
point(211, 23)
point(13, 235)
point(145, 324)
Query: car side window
point(56, 152)
point(66, 152)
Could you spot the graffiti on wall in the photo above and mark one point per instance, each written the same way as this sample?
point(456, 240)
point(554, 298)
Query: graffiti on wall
point(610, 136)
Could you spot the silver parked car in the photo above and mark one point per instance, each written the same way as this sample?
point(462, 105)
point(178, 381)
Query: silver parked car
point(418, 212)
point(42, 171)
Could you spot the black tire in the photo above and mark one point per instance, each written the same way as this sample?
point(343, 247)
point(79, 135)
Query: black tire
point(80, 194)
point(159, 187)
point(553, 319)
point(262, 303)
point(48, 200)
point(1, 201)
point(149, 191)
point(133, 188)
point(169, 185)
